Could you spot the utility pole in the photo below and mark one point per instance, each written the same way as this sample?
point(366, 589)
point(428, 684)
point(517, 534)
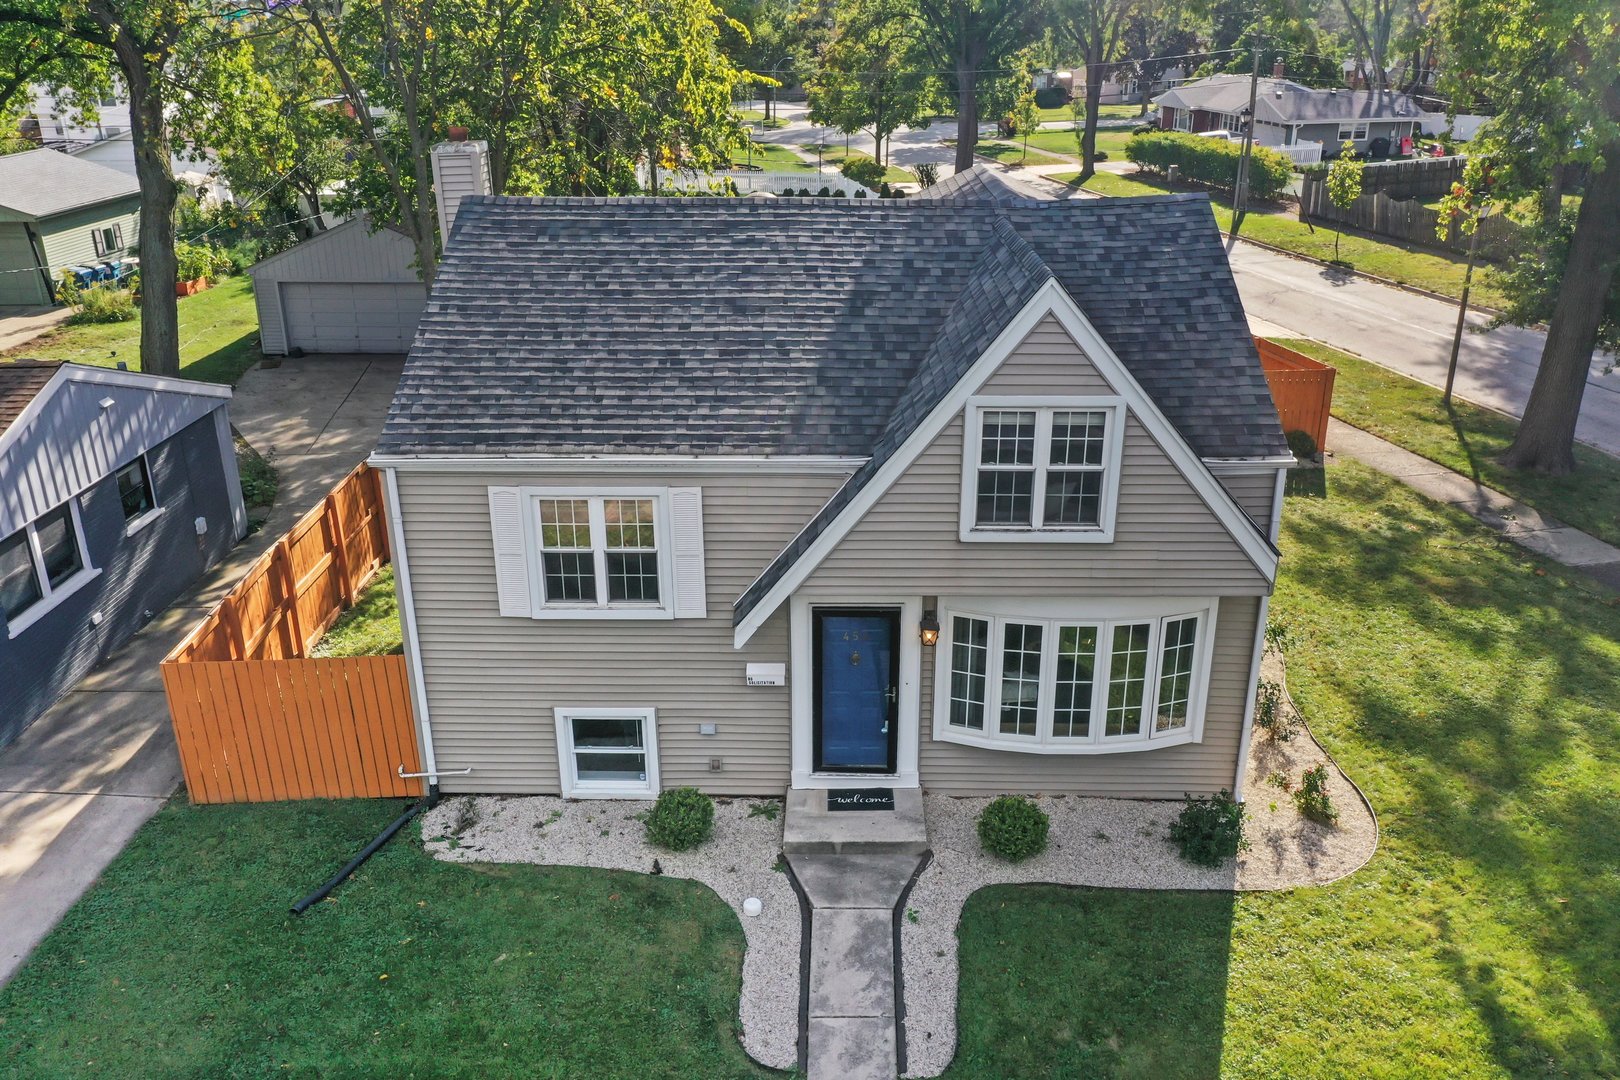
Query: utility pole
point(1462, 312)
point(1240, 190)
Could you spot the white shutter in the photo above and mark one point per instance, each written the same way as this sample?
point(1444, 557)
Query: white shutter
point(686, 528)
point(511, 551)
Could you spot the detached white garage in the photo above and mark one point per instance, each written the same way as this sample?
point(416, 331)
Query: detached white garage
point(348, 290)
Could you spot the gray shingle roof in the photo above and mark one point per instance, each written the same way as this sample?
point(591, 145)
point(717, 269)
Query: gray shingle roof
point(981, 183)
point(1285, 102)
point(41, 183)
point(766, 327)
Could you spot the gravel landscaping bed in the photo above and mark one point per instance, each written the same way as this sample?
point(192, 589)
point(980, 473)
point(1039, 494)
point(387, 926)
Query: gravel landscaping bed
point(1120, 844)
point(737, 862)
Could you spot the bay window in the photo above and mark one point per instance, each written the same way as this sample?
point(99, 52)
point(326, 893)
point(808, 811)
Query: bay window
point(1041, 469)
point(1084, 684)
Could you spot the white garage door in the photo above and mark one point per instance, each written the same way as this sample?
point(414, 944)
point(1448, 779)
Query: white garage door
point(19, 284)
point(349, 317)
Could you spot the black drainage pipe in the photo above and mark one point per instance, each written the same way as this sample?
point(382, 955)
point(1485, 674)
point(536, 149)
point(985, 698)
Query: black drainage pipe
point(367, 852)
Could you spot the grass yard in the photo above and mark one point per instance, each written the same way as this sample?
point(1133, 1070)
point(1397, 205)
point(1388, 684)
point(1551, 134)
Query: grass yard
point(757, 116)
point(183, 961)
point(773, 158)
point(1008, 153)
point(371, 627)
point(1065, 113)
point(1386, 259)
point(219, 337)
point(1468, 439)
point(1469, 688)
point(1111, 143)
point(834, 153)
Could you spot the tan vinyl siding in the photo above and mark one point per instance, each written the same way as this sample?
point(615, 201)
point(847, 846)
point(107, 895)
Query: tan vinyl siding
point(493, 682)
point(1198, 768)
point(1253, 492)
point(1167, 542)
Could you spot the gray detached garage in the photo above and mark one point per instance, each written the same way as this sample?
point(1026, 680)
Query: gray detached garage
point(348, 290)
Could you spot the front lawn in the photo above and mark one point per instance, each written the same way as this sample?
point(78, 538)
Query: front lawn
point(1111, 143)
point(369, 628)
point(219, 337)
point(833, 154)
point(773, 158)
point(1282, 229)
point(183, 961)
point(1469, 688)
point(1064, 113)
point(1468, 439)
point(1009, 153)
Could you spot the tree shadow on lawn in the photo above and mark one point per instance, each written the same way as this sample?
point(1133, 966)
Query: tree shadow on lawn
point(1067, 981)
point(1473, 694)
point(227, 363)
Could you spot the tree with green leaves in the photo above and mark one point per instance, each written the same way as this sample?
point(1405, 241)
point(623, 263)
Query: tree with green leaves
point(1095, 27)
point(153, 46)
point(1026, 112)
point(872, 72)
point(1550, 71)
point(1344, 186)
point(970, 42)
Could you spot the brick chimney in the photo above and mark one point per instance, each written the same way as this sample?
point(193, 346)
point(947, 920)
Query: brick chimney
point(1277, 68)
point(460, 168)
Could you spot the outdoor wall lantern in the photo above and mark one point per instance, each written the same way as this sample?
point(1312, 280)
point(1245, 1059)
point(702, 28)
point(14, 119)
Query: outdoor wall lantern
point(930, 628)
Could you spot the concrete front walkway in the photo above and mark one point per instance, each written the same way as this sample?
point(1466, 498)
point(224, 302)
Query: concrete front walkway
point(1515, 521)
point(79, 783)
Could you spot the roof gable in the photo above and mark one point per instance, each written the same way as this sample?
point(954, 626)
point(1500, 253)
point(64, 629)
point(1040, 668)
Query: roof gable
point(818, 540)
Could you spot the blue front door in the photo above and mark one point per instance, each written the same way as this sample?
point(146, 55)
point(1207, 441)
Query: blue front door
point(856, 690)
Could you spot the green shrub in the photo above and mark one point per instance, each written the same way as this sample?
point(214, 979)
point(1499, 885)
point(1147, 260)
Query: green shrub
point(1013, 828)
point(1312, 798)
point(927, 174)
point(1210, 161)
point(193, 261)
point(1270, 714)
point(863, 170)
point(104, 304)
point(1301, 445)
point(681, 819)
point(1209, 830)
point(1051, 97)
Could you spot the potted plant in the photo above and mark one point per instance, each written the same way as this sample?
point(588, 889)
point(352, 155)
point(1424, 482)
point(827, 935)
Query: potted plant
point(192, 265)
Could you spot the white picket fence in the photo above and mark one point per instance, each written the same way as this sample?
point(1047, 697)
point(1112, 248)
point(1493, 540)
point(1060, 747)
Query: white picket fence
point(1301, 153)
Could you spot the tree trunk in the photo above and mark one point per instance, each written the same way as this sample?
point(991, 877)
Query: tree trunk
point(967, 114)
point(1088, 137)
point(148, 132)
point(1545, 442)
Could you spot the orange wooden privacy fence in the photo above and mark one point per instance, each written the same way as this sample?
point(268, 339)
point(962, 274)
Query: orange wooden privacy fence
point(255, 717)
point(1301, 387)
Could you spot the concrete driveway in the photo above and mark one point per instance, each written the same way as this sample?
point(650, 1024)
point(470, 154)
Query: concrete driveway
point(79, 783)
point(20, 325)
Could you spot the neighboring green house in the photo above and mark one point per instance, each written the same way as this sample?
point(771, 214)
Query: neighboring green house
point(57, 211)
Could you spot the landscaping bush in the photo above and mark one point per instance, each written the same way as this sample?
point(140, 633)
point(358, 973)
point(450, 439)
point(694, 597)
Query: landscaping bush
point(825, 192)
point(1210, 161)
point(681, 819)
point(1312, 798)
point(1271, 716)
point(1209, 830)
point(193, 261)
point(1301, 445)
point(863, 171)
point(1013, 828)
point(1051, 97)
point(927, 173)
point(103, 304)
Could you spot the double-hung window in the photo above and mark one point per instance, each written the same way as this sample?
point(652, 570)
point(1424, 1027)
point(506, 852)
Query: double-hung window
point(607, 753)
point(600, 551)
point(1074, 685)
point(136, 495)
point(1041, 471)
point(41, 565)
point(1355, 132)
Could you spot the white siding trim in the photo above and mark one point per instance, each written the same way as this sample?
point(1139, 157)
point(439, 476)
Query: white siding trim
point(1259, 649)
point(407, 611)
point(510, 537)
point(233, 478)
point(1051, 299)
point(686, 541)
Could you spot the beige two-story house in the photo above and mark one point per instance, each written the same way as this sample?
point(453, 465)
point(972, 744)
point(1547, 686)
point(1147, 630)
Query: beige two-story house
point(972, 491)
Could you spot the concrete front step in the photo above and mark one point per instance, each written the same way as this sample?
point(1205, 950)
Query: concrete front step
point(809, 828)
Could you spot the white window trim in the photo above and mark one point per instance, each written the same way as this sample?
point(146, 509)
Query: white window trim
point(135, 525)
point(1105, 615)
point(1182, 121)
point(1113, 454)
point(51, 598)
point(540, 608)
point(1347, 132)
point(567, 765)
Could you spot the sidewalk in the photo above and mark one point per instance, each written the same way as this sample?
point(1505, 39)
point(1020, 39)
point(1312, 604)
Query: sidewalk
point(1513, 520)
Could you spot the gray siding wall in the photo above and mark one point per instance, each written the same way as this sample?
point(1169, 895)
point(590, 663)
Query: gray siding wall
point(1254, 493)
point(346, 253)
point(1196, 768)
point(139, 574)
point(74, 442)
point(493, 682)
point(68, 240)
point(1166, 541)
